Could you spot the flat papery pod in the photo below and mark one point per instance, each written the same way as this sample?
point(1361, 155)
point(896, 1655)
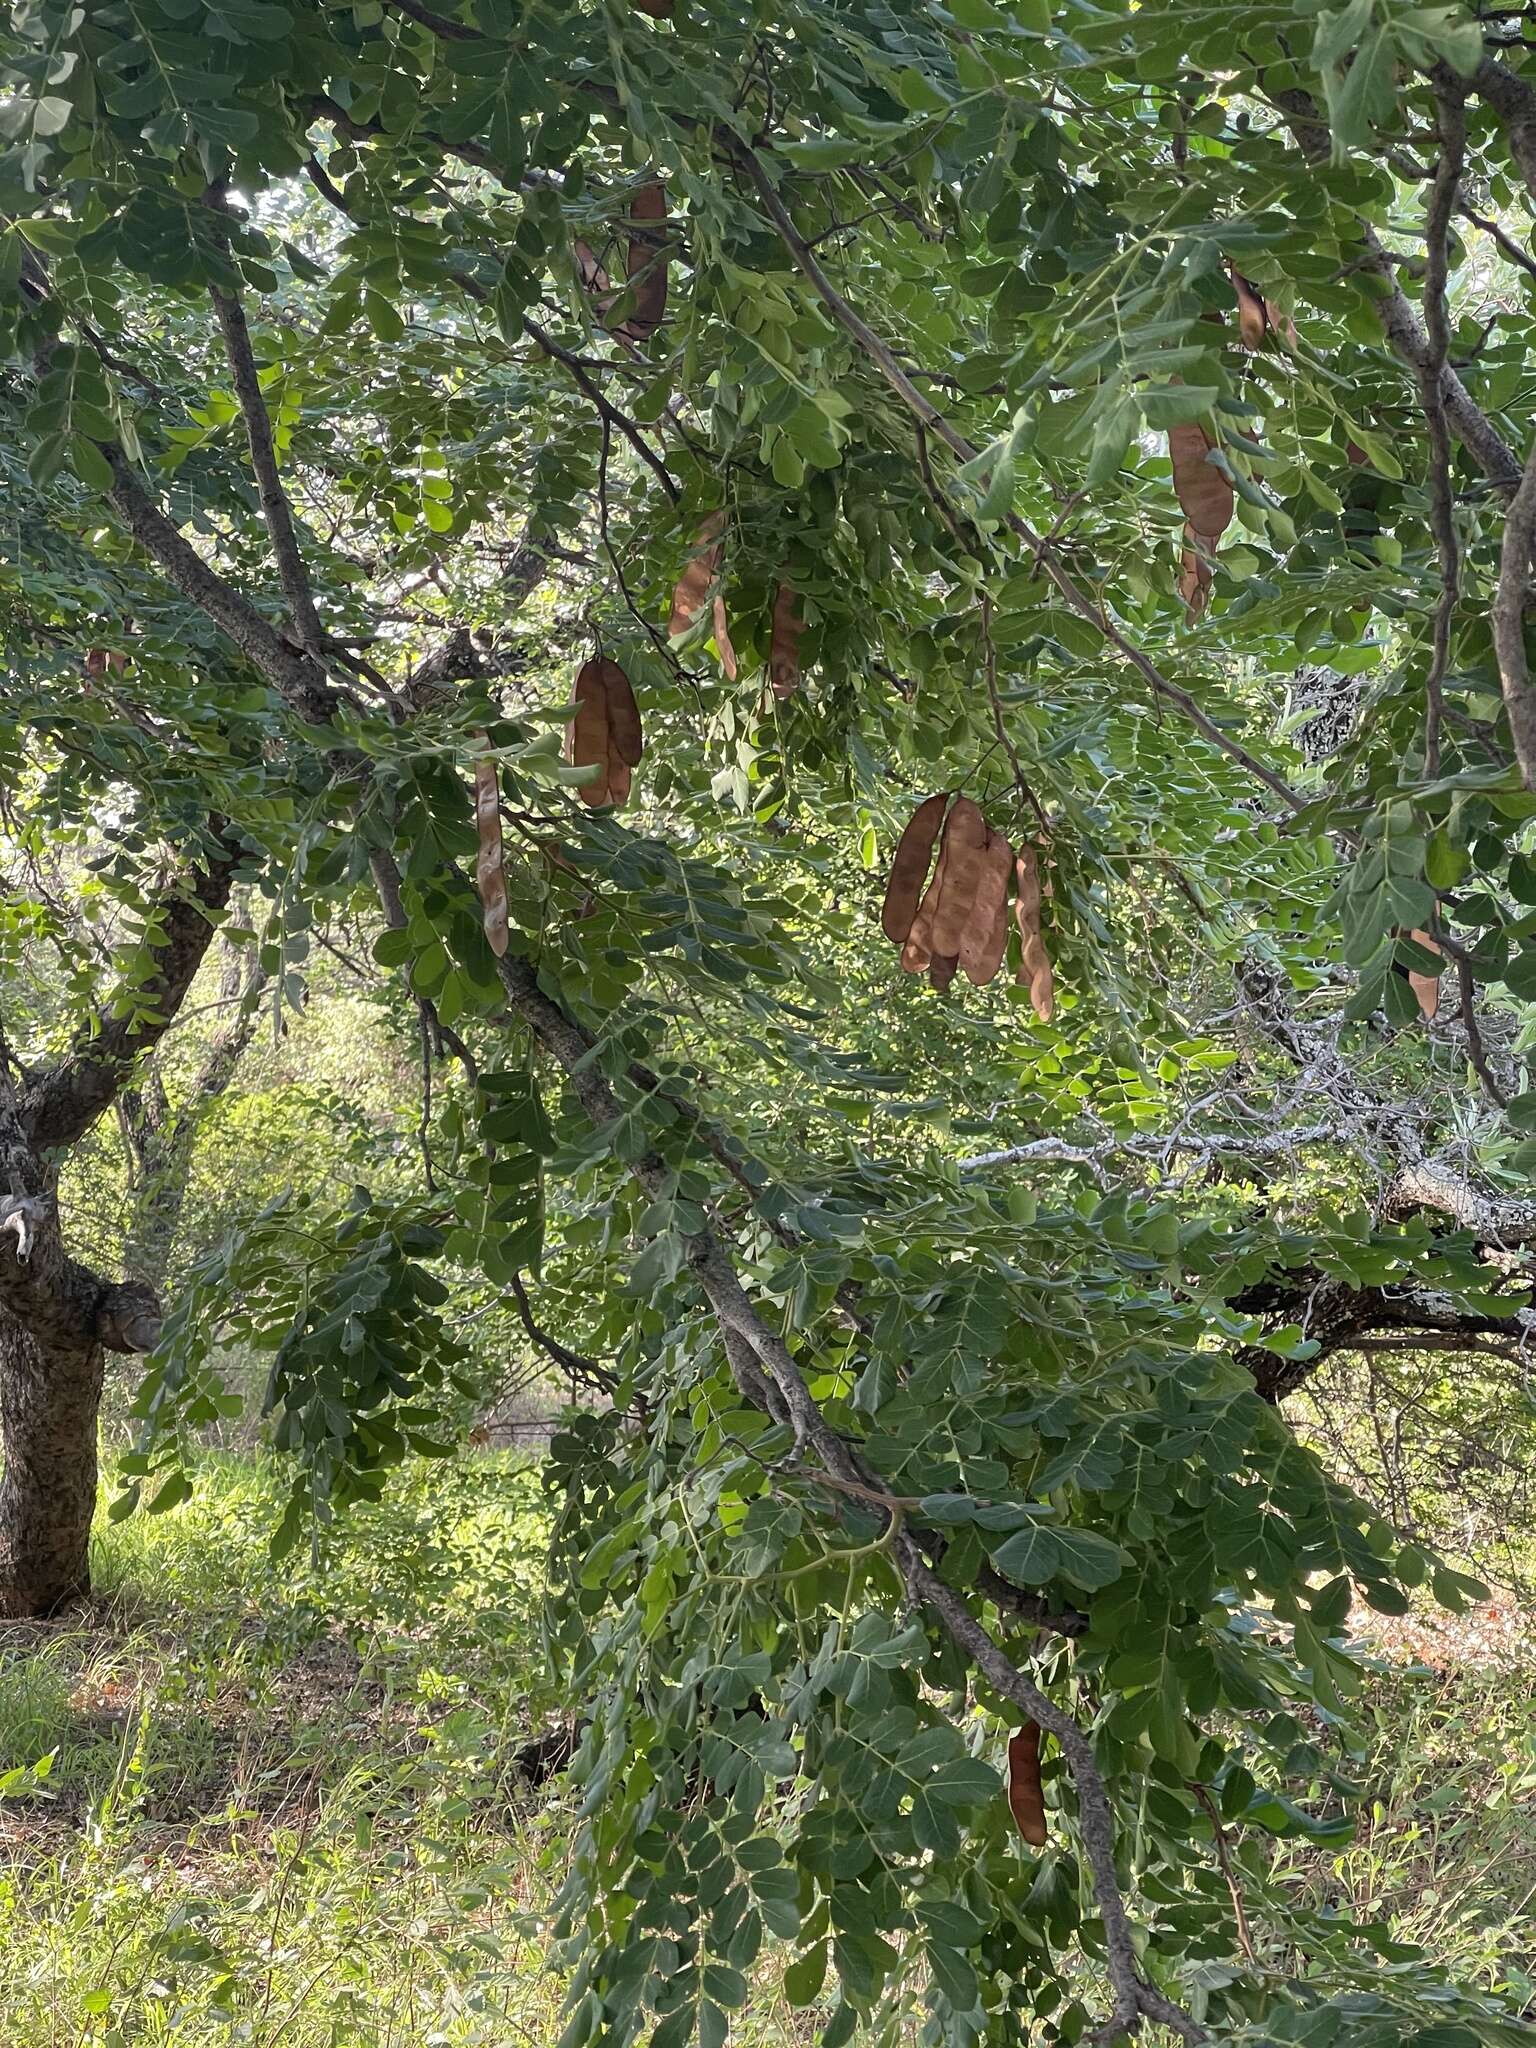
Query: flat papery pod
point(965, 862)
point(1196, 573)
point(624, 734)
point(1204, 494)
point(784, 646)
point(917, 950)
point(619, 778)
point(941, 970)
point(909, 867)
point(646, 262)
point(1252, 320)
point(1034, 961)
point(587, 734)
point(723, 645)
point(591, 274)
point(985, 939)
point(1026, 1798)
point(699, 577)
point(1426, 987)
point(490, 868)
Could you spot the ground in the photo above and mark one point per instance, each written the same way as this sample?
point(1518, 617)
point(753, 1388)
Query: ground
point(272, 1807)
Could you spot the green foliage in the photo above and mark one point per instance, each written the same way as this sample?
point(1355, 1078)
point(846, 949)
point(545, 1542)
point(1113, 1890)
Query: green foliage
point(941, 281)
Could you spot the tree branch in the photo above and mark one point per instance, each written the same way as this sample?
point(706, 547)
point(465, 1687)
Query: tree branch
point(1437, 223)
point(275, 509)
point(293, 674)
point(63, 1101)
point(1508, 620)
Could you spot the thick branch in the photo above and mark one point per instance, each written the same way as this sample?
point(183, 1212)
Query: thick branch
point(1437, 226)
point(298, 679)
point(1508, 619)
point(275, 509)
point(1406, 337)
point(63, 1101)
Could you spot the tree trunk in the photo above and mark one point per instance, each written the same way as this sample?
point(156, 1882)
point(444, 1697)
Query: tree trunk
point(50, 1392)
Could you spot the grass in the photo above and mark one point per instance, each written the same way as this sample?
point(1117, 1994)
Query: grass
point(274, 1807)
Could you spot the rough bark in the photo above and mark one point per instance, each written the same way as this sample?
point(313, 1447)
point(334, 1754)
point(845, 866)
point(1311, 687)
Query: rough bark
point(58, 1316)
point(50, 1392)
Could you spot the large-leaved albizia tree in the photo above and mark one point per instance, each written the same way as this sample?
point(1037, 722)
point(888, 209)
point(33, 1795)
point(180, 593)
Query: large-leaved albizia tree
point(996, 401)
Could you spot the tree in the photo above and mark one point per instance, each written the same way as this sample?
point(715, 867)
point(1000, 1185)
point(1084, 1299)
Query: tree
point(916, 364)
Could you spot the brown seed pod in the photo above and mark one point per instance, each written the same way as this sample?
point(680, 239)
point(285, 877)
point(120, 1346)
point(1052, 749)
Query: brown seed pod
point(490, 870)
point(1026, 1797)
point(1206, 498)
point(941, 970)
point(698, 579)
point(965, 861)
point(909, 868)
point(587, 735)
point(1202, 491)
point(784, 648)
point(723, 645)
point(1034, 961)
point(646, 264)
point(1426, 987)
point(625, 737)
point(917, 951)
point(985, 939)
point(1251, 323)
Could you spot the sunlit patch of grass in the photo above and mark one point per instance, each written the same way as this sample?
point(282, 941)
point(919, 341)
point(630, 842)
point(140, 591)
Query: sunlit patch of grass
point(281, 1810)
point(280, 1805)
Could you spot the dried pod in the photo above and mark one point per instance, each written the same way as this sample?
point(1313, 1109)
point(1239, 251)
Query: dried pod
point(1206, 498)
point(917, 951)
point(1202, 490)
point(1252, 322)
point(698, 579)
point(1026, 1797)
point(784, 648)
point(985, 938)
point(1034, 961)
point(723, 646)
point(909, 868)
point(1426, 987)
point(646, 264)
point(965, 861)
point(624, 731)
point(587, 736)
point(490, 870)
point(941, 970)
point(592, 276)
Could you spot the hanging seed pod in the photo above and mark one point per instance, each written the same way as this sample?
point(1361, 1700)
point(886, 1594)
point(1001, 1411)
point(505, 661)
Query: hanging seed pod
point(646, 263)
point(1034, 961)
point(909, 868)
point(965, 862)
point(490, 865)
point(784, 648)
point(1206, 498)
point(985, 938)
point(1026, 1796)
